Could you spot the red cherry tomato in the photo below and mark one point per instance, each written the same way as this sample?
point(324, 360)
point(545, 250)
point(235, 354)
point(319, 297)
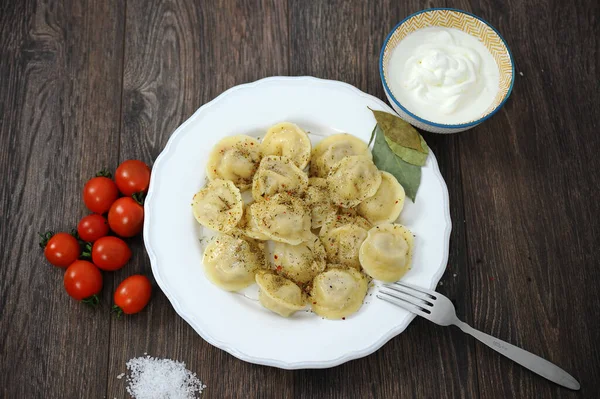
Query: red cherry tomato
point(132, 177)
point(133, 294)
point(110, 253)
point(99, 194)
point(61, 249)
point(92, 227)
point(82, 280)
point(126, 217)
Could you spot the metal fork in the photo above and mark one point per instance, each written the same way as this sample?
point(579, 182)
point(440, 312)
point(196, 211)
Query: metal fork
point(440, 310)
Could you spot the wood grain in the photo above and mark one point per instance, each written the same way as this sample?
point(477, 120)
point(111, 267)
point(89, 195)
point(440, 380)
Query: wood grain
point(179, 55)
point(532, 239)
point(86, 84)
point(328, 40)
point(60, 104)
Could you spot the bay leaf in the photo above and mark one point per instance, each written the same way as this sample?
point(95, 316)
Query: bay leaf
point(398, 130)
point(408, 154)
point(408, 175)
point(372, 136)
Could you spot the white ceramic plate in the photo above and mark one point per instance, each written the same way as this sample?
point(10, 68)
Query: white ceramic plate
point(233, 322)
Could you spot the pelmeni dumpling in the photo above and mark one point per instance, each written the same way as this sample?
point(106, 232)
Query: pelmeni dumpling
point(230, 262)
point(279, 294)
point(346, 216)
point(352, 180)
point(338, 292)
point(387, 203)
point(248, 226)
point(299, 263)
point(218, 206)
point(318, 199)
point(289, 140)
point(386, 254)
point(277, 174)
point(234, 158)
point(282, 218)
point(332, 149)
point(342, 236)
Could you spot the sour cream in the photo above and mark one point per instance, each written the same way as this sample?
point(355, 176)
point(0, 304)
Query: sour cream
point(443, 75)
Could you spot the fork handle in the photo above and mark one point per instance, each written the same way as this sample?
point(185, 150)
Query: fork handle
point(524, 358)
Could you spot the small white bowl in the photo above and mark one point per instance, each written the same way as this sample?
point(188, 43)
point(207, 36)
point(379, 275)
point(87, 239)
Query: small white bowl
point(469, 23)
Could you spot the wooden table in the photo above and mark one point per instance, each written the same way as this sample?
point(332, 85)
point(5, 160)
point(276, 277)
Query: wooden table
point(87, 84)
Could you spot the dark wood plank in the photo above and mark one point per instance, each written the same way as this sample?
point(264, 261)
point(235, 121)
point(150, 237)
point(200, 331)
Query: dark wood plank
point(59, 105)
point(530, 187)
point(524, 183)
point(341, 41)
point(179, 55)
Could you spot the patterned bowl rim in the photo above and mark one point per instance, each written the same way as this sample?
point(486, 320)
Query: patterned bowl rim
point(442, 125)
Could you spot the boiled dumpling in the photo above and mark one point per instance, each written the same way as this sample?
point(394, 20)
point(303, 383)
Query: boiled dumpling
point(289, 140)
point(299, 263)
point(342, 244)
point(248, 225)
point(346, 216)
point(386, 254)
point(279, 294)
point(230, 262)
point(352, 180)
point(234, 158)
point(282, 218)
point(342, 236)
point(318, 199)
point(387, 203)
point(332, 149)
point(218, 206)
point(277, 174)
point(345, 197)
point(338, 292)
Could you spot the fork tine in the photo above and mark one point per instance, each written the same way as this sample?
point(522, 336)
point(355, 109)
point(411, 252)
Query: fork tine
point(407, 297)
point(409, 291)
point(407, 302)
point(422, 290)
point(399, 302)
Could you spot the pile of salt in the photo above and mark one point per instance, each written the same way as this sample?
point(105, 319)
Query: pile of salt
point(152, 378)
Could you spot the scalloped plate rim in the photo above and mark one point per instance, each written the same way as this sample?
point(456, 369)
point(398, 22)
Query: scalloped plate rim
point(166, 153)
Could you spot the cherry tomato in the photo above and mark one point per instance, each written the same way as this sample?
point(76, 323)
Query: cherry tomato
point(99, 194)
point(110, 253)
point(82, 280)
point(133, 294)
point(132, 177)
point(92, 227)
point(126, 217)
point(61, 249)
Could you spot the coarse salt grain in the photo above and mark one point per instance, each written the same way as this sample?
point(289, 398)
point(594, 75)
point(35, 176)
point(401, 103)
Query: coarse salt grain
point(153, 378)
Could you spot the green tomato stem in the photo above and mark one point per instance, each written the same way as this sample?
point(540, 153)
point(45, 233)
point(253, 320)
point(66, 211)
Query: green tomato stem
point(44, 238)
point(92, 301)
point(104, 173)
point(87, 251)
point(117, 310)
point(139, 197)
